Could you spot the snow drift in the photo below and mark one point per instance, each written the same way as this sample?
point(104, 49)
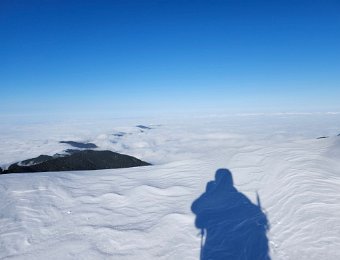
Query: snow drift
point(145, 213)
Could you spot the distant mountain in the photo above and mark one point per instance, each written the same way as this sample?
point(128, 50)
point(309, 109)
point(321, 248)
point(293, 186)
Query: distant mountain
point(79, 144)
point(143, 127)
point(76, 161)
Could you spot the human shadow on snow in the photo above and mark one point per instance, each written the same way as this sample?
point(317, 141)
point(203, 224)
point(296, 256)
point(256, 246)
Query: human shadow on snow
point(232, 227)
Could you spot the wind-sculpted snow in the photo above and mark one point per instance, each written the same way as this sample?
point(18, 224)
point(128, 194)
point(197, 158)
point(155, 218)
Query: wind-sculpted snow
point(145, 213)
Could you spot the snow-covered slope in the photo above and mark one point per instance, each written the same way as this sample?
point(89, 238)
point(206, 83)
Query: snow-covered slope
point(145, 213)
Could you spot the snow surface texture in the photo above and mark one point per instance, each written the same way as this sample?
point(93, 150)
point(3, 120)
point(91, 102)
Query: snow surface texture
point(145, 213)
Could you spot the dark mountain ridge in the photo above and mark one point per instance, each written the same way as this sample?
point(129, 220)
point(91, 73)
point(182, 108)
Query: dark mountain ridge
point(76, 161)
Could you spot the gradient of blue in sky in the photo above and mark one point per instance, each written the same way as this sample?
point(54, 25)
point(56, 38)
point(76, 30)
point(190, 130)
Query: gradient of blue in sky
point(132, 56)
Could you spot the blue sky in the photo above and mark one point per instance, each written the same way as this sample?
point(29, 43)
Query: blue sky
point(132, 56)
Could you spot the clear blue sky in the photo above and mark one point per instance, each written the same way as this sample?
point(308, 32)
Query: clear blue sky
point(234, 56)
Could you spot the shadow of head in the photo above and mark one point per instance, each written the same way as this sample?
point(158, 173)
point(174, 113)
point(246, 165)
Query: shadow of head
point(232, 227)
point(224, 176)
